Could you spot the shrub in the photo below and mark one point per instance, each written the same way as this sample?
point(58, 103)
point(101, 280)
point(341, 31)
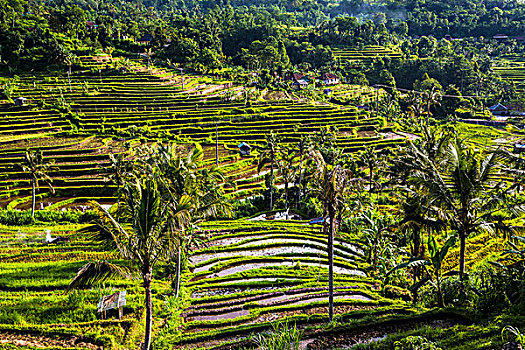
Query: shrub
point(415, 343)
point(282, 337)
point(23, 217)
point(393, 292)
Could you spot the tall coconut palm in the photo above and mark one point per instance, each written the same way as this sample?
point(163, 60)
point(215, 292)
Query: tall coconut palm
point(149, 238)
point(286, 159)
point(464, 191)
point(303, 148)
point(38, 170)
point(183, 177)
point(267, 155)
point(431, 97)
point(334, 186)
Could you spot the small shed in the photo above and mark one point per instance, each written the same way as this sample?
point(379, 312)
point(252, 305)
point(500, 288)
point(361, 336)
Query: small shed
point(499, 109)
point(20, 101)
point(298, 80)
point(316, 221)
point(501, 37)
point(519, 148)
point(145, 39)
point(116, 300)
point(329, 79)
point(244, 148)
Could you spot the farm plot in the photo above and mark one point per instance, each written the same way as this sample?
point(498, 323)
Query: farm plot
point(367, 54)
point(35, 311)
point(79, 171)
point(135, 105)
point(256, 272)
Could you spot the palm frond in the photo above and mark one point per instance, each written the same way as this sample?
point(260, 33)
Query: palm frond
point(98, 271)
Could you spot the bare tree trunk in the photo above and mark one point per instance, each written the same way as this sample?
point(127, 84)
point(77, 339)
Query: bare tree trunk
point(331, 265)
point(149, 308)
point(33, 199)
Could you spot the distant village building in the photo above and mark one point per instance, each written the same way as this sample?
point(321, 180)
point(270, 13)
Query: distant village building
point(90, 25)
point(501, 37)
point(145, 39)
point(329, 79)
point(244, 148)
point(298, 80)
point(20, 101)
point(498, 109)
point(519, 148)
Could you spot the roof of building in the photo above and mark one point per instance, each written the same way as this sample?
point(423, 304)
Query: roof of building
point(244, 145)
point(295, 77)
point(329, 76)
point(146, 37)
point(498, 107)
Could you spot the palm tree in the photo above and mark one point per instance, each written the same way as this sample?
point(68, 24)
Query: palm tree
point(436, 257)
point(33, 164)
point(182, 177)
point(333, 190)
point(268, 155)
point(370, 158)
point(304, 148)
point(462, 190)
point(431, 97)
point(149, 238)
point(286, 159)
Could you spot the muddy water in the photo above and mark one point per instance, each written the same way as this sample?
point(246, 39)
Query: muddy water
point(229, 315)
point(325, 299)
point(247, 265)
point(294, 241)
point(199, 258)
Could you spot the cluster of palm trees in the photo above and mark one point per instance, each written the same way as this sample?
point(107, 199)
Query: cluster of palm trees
point(452, 187)
point(163, 194)
point(38, 171)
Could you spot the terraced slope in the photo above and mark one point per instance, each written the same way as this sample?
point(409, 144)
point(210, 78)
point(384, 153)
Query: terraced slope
point(132, 104)
point(35, 311)
point(514, 73)
point(366, 55)
point(256, 272)
point(79, 170)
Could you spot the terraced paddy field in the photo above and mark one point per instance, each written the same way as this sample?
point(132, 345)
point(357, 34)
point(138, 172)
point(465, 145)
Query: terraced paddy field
point(366, 55)
point(514, 73)
point(78, 123)
point(35, 311)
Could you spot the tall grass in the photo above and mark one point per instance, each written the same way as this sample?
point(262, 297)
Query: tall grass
point(281, 337)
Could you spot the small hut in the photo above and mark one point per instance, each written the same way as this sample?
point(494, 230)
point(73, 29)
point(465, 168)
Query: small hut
point(244, 149)
point(20, 101)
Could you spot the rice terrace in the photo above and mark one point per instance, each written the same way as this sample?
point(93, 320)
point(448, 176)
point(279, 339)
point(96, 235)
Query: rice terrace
point(273, 175)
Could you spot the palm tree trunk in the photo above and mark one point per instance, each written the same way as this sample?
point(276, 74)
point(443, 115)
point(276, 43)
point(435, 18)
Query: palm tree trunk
point(33, 199)
point(286, 196)
point(271, 185)
point(177, 273)
point(331, 265)
point(440, 293)
point(300, 180)
point(462, 239)
point(149, 308)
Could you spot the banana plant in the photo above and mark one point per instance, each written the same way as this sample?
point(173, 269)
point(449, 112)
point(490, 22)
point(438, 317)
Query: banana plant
point(432, 265)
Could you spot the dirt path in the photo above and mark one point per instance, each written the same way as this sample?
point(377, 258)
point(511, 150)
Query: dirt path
point(37, 341)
